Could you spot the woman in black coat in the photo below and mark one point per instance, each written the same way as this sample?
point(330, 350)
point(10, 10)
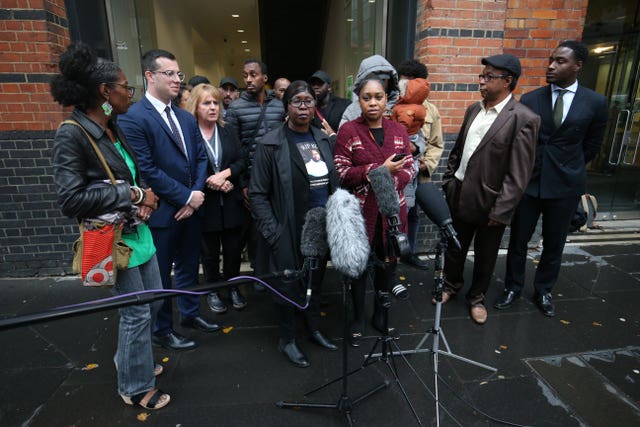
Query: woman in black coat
point(292, 173)
point(224, 212)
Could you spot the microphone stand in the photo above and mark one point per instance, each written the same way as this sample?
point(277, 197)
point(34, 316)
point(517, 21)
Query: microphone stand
point(345, 403)
point(436, 331)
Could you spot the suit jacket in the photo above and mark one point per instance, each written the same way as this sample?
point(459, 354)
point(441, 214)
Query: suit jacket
point(162, 162)
point(561, 154)
point(226, 210)
point(499, 169)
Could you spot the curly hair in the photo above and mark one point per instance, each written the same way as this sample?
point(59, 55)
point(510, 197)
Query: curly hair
point(413, 69)
point(81, 74)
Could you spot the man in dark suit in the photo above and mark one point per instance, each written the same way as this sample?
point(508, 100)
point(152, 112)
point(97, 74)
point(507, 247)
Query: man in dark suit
point(487, 172)
point(574, 119)
point(173, 161)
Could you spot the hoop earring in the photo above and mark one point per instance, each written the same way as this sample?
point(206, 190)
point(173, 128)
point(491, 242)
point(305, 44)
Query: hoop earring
point(107, 108)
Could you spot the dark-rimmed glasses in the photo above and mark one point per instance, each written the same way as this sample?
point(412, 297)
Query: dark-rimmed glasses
point(489, 77)
point(297, 103)
point(130, 89)
point(171, 73)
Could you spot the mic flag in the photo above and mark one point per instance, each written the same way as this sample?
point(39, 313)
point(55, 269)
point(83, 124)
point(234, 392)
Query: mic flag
point(385, 190)
point(313, 242)
point(347, 234)
point(432, 202)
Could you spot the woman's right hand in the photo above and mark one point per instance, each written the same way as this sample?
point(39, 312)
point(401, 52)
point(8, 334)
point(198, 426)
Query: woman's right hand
point(151, 200)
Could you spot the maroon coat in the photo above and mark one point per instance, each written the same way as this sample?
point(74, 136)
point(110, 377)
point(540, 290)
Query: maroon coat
point(356, 154)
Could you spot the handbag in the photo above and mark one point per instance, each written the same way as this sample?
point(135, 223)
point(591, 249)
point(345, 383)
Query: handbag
point(99, 252)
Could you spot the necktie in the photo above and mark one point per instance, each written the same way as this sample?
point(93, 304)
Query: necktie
point(174, 130)
point(558, 109)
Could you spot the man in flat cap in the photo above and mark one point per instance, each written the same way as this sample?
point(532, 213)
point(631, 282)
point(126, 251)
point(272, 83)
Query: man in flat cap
point(488, 169)
point(574, 119)
point(229, 89)
point(329, 106)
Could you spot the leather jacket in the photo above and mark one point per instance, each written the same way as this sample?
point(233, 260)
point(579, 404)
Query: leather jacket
point(76, 166)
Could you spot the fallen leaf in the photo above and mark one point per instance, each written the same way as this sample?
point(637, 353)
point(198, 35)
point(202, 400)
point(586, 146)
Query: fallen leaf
point(565, 322)
point(90, 366)
point(165, 359)
point(142, 416)
point(402, 278)
point(323, 314)
point(503, 347)
point(227, 329)
point(597, 324)
point(484, 382)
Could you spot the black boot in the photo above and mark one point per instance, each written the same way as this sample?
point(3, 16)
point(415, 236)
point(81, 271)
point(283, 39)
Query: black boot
point(293, 353)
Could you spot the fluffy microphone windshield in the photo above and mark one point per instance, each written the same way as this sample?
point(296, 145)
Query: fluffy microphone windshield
point(314, 234)
point(347, 234)
point(383, 185)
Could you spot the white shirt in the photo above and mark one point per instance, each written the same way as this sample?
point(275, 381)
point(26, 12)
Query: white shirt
point(160, 107)
point(567, 98)
point(477, 130)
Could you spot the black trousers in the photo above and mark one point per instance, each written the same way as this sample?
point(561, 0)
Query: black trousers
point(556, 217)
point(286, 313)
point(486, 243)
point(231, 242)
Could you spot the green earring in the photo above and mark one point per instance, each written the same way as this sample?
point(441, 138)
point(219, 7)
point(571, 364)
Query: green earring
point(107, 108)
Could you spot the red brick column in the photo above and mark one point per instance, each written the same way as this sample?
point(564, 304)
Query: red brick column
point(452, 36)
point(33, 33)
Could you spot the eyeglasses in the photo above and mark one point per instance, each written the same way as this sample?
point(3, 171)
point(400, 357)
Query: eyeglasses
point(130, 89)
point(489, 77)
point(297, 103)
point(171, 73)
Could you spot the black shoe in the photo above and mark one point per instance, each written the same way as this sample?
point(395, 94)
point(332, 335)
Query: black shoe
point(322, 341)
point(173, 341)
point(415, 261)
point(200, 324)
point(543, 301)
point(507, 299)
point(293, 353)
point(237, 299)
point(215, 303)
point(377, 321)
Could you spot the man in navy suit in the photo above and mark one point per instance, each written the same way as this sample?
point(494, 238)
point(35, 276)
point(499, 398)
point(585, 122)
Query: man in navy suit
point(172, 159)
point(574, 119)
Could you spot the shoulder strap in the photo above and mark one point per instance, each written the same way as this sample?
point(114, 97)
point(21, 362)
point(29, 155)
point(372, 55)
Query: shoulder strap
point(260, 119)
point(95, 148)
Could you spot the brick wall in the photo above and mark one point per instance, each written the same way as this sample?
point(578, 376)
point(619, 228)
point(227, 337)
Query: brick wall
point(34, 237)
point(452, 36)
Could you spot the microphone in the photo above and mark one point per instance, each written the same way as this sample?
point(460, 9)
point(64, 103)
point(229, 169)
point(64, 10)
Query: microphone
point(389, 206)
point(313, 241)
point(432, 202)
point(347, 234)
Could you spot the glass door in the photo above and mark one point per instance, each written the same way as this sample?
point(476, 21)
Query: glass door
point(613, 69)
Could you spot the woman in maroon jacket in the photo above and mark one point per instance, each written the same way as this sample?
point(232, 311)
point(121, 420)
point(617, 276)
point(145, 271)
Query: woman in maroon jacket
point(364, 144)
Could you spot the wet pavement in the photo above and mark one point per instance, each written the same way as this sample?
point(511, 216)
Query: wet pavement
point(581, 368)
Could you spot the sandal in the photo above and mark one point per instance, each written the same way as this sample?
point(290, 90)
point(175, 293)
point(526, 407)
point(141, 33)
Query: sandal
point(153, 399)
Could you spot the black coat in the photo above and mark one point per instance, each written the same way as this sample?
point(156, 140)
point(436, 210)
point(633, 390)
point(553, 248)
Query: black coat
point(334, 111)
point(561, 154)
point(226, 210)
point(273, 188)
point(76, 165)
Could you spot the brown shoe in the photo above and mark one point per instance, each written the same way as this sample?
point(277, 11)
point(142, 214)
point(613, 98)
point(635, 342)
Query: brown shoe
point(479, 313)
point(446, 296)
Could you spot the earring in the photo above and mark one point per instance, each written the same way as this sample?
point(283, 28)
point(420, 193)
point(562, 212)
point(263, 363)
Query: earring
point(107, 108)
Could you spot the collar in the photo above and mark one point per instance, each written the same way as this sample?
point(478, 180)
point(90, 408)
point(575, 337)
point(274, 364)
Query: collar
point(498, 107)
point(571, 88)
point(157, 104)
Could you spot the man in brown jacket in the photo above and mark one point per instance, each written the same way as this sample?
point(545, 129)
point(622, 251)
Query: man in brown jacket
point(487, 172)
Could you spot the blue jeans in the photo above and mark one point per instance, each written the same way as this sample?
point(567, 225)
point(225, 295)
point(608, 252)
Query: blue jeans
point(134, 357)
